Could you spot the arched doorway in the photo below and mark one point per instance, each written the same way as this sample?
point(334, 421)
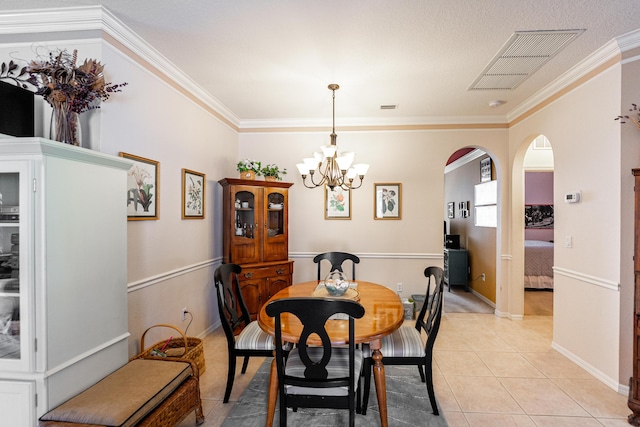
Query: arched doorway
point(474, 223)
point(537, 175)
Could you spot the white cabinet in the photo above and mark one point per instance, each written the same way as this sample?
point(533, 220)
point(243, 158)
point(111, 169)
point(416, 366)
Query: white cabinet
point(63, 276)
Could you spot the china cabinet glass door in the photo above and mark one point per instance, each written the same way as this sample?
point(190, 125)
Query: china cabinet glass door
point(15, 208)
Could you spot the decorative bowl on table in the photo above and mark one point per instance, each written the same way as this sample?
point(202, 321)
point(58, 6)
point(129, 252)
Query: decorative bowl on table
point(336, 283)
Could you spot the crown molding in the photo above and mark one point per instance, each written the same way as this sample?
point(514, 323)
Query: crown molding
point(51, 20)
point(377, 124)
point(98, 18)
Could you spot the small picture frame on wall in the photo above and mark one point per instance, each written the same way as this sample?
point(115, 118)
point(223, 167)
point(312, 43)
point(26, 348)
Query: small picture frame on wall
point(387, 201)
point(451, 211)
point(463, 208)
point(337, 203)
point(143, 188)
point(193, 190)
point(485, 169)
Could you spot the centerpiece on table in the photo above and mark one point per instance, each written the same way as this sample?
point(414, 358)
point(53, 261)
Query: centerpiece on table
point(69, 88)
point(272, 173)
point(249, 169)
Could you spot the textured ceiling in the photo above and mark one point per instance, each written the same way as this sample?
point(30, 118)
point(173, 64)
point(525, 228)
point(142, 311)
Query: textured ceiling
point(272, 60)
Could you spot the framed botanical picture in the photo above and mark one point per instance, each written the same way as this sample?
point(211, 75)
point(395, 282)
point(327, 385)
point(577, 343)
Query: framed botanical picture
point(143, 188)
point(193, 184)
point(337, 203)
point(387, 201)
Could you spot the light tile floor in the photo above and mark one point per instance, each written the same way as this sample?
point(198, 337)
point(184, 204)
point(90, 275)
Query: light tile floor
point(488, 371)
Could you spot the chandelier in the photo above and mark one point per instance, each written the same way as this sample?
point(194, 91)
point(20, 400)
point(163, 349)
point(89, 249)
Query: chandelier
point(334, 167)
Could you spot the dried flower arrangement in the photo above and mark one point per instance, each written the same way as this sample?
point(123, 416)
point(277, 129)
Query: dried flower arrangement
point(68, 88)
point(635, 116)
point(59, 80)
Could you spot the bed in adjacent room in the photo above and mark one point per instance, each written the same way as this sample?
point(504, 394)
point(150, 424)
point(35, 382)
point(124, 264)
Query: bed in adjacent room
point(538, 264)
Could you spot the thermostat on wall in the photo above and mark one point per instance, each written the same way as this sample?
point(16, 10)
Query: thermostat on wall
point(572, 197)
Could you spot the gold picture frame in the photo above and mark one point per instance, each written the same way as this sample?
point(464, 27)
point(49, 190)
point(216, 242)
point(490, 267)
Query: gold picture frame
point(387, 199)
point(337, 203)
point(143, 188)
point(193, 194)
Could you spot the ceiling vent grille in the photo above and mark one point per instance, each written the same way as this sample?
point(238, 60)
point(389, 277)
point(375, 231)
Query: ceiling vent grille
point(522, 55)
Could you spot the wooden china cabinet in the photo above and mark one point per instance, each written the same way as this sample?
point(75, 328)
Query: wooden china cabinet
point(256, 236)
point(634, 389)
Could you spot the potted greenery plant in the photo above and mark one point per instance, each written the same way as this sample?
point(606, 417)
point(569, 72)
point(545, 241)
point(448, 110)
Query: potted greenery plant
point(248, 168)
point(272, 173)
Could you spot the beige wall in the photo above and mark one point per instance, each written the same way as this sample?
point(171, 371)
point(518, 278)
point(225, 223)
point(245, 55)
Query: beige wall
point(392, 251)
point(171, 260)
point(586, 149)
point(629, 159)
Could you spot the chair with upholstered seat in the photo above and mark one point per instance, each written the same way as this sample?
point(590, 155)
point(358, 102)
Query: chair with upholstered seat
point(251, 340)
point(315, 374)
point(336, 259)
point(406, 346)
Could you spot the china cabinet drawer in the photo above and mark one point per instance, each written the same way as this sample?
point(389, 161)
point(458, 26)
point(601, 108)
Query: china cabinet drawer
point(279, 269)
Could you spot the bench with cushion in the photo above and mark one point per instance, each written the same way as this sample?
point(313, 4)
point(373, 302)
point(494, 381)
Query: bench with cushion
point(144, 392)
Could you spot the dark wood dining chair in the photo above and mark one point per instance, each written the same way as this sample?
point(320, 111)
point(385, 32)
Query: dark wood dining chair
point(405, 346)
point(244, 337)
point(336, 259)
point(317, 376)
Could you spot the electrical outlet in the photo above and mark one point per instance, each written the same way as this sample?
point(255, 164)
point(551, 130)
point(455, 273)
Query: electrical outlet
point(484, 277)
point(399, 287)
point(184, 313)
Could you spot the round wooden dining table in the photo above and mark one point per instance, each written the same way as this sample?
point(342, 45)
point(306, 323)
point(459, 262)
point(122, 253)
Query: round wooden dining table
point(383, 314)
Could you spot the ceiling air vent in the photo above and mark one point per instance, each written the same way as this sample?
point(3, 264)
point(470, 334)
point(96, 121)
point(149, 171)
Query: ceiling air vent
point(523, 54)
point(389, 107)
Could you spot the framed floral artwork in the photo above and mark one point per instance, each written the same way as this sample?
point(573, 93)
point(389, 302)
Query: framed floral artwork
point(143, 188)
point(387, 201)
point(193, 187)
point(337, 203)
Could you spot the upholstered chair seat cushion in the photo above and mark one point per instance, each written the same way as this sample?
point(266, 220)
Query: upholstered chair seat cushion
point(254, 338)
point(338, 367)
point(404, 342)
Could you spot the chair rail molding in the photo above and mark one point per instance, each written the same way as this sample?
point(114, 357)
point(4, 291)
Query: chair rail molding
point(380, 255)
point(592, 280)
point(162, 277)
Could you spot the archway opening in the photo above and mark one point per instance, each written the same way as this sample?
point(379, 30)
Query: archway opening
point(539, 217)
point(471, 225)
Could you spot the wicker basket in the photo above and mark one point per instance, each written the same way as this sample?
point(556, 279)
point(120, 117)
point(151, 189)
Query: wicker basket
point(182, 347)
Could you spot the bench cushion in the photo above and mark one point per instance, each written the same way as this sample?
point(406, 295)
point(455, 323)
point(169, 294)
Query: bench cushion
point(124, 397)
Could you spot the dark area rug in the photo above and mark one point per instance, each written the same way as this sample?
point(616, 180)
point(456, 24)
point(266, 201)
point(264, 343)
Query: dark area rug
point(407, 404)
point(459, 301)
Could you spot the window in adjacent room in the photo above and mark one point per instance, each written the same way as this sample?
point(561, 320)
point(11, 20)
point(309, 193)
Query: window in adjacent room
point(541, 143)
point(486, 204)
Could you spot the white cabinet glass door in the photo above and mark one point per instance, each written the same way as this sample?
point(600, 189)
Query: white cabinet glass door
point(15, 294)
